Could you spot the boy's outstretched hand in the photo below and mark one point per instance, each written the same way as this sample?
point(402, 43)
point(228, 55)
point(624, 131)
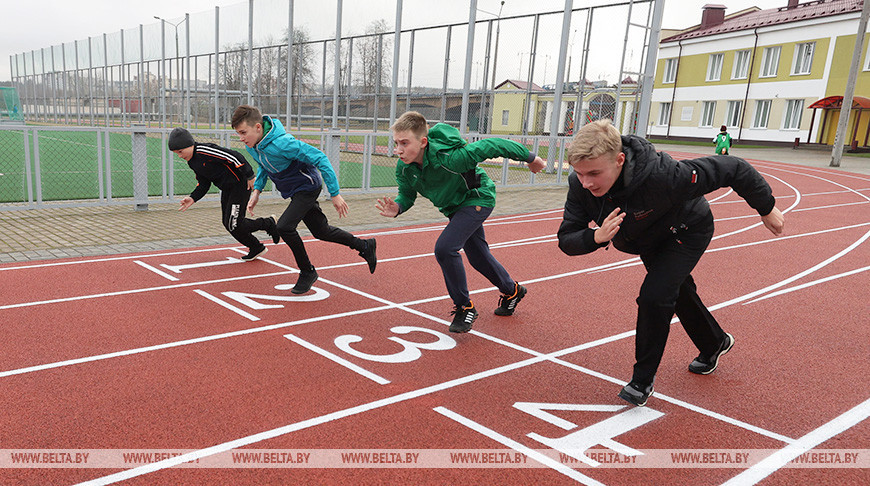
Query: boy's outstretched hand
point(537, 165)
point(186, 203)
point(774, 221)
point(339, 205)
point(387, 207)
point(253, 200)
point(609, 227)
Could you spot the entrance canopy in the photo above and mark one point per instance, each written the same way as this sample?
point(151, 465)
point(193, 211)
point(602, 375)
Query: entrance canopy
point(837, 102)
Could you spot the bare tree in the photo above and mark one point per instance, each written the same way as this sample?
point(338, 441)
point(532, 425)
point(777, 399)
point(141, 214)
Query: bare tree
point(374, 66)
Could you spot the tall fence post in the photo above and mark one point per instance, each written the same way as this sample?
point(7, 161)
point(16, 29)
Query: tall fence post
point(333, 149)
point(140, 168)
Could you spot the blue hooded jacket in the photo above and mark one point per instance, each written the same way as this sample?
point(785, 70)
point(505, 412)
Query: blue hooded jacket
point(292, 165)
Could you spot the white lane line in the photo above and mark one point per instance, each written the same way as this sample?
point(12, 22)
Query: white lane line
point(810, 284)
point(338, 359)
point(528, 451)
point(226, 305)
point(155, 270)
point(782, 457)
point(295, 427)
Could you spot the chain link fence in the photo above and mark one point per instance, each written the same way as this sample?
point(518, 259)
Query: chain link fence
point(287, 58)
point(76, 166)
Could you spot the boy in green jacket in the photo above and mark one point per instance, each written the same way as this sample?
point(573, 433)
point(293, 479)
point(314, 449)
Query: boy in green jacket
point(442, 167)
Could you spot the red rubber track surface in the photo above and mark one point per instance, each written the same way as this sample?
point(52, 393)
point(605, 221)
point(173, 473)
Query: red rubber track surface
point(133, 352)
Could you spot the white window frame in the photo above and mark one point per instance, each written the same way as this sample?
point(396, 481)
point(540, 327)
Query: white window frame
point(670, 73)
point(741, 65)
point(803, 58)
point(791, 118)
point(714, 67)
point(762, 114)
point(867, 59)
point(770, 62)
point(733, 113)
point(505, 117)
point(708, 114)
point(664, 113)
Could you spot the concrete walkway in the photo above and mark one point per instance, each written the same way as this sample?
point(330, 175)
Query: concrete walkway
point(50, 233)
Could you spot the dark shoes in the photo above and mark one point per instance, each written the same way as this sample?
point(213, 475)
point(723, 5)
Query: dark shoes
point(636, 394)
point(254, 253)
point(463, 317)
point(272, 229)
point(507, 303)
point(305, 281)
point(706, 365)
point(368, 253)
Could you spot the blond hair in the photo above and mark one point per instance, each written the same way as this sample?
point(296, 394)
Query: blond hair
point(413, 122)
point(594, 140)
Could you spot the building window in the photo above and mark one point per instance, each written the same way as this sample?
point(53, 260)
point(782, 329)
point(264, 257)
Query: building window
point(732, 115)
point(762, 113)
point(793, 110)
point(665, 114)
point(769, 61)
point(505, 115)
point(867, 59)
point(707, 115)
point(803, 58)
point(670, 74)
point(741, 65)
point(714, 67)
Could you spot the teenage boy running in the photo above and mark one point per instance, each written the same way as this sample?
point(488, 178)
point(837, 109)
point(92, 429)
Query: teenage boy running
point(298, 171)
point(233, 175)
point(442, 167)
point(648, 204)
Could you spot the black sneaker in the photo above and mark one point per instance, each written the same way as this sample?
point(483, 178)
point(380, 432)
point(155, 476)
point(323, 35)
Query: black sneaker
point(636, 394)
point(507, 303)
point(305, 281)
point(254, 253)
point(368, 253)
point(272, 229)
point(463, 317)
point(705, 366)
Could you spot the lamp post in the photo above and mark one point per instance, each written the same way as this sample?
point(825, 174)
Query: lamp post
point(178, 68)
point(494, 62)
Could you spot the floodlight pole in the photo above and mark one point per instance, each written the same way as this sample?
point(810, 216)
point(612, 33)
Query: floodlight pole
point(848, 96)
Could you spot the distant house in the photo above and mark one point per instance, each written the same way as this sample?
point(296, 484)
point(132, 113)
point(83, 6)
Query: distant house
point(769, 75)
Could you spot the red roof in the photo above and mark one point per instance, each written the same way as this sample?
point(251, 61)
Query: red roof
point(773, 16)
point(837, 102)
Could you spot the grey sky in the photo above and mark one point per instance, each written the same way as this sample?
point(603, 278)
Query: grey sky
point(44, 23)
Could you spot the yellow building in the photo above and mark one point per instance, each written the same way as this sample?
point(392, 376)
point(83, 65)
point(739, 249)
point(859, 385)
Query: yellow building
point(762, 74)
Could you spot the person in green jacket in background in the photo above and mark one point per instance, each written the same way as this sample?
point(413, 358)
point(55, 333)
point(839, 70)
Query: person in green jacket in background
point(441, 166)
point(722, 141)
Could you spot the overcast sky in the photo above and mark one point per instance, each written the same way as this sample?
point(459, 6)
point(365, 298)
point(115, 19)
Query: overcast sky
point(28, 26)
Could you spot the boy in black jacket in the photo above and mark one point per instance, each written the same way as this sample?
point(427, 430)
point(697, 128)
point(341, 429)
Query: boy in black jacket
point(234, 176)
point(648, 204)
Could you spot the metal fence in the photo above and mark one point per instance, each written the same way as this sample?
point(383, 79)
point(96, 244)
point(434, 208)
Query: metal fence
point(280, 56)
point(79, 166)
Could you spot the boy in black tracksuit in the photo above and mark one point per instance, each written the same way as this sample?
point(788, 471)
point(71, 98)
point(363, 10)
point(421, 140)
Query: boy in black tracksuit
point(234, 176)
point(653, 206)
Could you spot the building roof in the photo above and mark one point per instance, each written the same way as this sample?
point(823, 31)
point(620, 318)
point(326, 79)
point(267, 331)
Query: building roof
point(837, 102)
point(753, 18)
point(521, 85)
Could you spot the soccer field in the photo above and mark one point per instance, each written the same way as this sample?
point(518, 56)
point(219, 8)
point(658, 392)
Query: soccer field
point(74, 164)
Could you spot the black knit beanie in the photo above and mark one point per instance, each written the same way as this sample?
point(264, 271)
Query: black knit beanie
point(179, 139)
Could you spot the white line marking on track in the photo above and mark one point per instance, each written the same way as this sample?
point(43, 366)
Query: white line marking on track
point(809, 284)
point(782, 457)
point(226, 305)
point(528, 451)
point(156, 270)
point(338, 359)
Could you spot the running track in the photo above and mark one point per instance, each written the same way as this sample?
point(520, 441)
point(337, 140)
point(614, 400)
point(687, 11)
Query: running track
point(195, 352)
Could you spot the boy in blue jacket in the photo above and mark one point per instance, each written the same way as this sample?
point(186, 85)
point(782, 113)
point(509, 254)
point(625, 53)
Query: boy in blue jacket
point(298, 171)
